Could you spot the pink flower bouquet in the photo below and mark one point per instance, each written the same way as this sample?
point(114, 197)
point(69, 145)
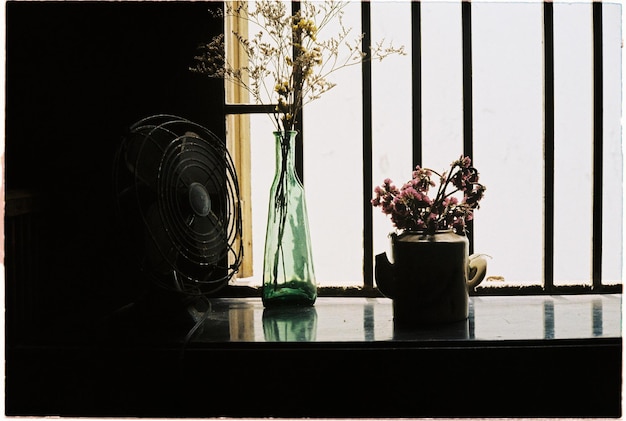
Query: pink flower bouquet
point(412, 209)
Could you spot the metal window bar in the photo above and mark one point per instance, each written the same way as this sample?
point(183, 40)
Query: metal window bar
point(299, 152)
point(366, 68)
point(416, 62)
point(548, 210)
point(598, 134)
point(468, 99)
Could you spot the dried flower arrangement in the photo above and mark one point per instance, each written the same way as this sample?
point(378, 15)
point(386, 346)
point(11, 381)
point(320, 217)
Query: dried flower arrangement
point(289, 60)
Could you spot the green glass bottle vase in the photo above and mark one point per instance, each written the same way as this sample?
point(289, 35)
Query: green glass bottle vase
point(288, 275)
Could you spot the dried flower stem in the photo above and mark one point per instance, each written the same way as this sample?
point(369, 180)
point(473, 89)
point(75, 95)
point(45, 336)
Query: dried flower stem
point(289, 51)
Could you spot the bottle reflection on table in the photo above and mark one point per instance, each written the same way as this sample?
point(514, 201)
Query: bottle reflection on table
point(290, 324)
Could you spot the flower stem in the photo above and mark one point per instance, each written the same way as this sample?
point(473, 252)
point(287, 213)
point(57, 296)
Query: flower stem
point(280, 205)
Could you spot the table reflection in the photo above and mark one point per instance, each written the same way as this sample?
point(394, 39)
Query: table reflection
point(241, 323)
point(290, 324)
point(447, 331)
point(334, 319)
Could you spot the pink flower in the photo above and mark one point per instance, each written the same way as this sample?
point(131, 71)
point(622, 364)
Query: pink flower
point(450, 201)
point(465, 178)
point(421, 179)
point(473, 197)
point(459, 225)
point(411, 208)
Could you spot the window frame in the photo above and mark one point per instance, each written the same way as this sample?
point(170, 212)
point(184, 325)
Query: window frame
point(238, 137)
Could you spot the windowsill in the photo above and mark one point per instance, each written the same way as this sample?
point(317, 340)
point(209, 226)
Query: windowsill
point(548, 356)
point(356, 319)
point(242, 289)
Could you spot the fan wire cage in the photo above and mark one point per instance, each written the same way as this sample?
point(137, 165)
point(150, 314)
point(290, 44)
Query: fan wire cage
point(177, 195)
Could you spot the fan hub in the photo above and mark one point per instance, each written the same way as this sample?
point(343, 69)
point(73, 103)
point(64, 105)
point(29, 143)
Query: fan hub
point(199, 199)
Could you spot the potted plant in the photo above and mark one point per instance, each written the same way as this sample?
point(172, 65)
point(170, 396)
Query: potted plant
point(432, 270)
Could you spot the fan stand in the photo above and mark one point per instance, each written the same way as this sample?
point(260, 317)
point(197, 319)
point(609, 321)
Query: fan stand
point(158, 308)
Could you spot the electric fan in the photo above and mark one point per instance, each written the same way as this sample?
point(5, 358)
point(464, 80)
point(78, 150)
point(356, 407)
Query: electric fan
point(177, 195)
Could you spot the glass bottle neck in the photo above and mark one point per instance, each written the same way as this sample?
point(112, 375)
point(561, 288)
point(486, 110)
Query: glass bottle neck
point(285, 151)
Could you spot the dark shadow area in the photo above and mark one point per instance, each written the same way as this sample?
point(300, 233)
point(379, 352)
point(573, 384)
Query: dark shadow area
point(78, 74)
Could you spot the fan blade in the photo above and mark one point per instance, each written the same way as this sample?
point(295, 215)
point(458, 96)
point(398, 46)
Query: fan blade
point(209, 238)
point(200, 163)
point(160, 251)
point(144, 151)
point(201, 227)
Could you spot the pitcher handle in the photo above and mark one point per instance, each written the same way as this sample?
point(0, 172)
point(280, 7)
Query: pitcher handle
point(477, 269)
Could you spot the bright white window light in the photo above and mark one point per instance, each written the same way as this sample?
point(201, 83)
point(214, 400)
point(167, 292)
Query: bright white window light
point(508, 137)
point(573, 143)
point(508, 106)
